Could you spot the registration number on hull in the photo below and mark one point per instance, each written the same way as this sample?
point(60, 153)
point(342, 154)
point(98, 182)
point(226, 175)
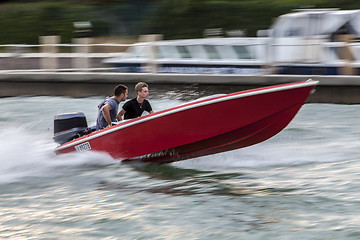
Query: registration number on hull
point(83, 147)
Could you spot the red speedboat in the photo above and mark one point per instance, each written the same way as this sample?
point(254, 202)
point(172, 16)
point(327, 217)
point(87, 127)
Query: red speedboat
point(205, 126)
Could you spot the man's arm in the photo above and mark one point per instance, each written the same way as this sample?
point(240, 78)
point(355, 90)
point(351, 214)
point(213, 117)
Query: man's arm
point(149, 108)
point(106, 112)
point(120, 114)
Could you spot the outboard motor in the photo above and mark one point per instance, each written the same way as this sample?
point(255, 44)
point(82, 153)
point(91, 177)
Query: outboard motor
point(68, 126)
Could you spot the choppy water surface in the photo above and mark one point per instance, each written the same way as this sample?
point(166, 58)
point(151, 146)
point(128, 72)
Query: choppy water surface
point(302, 184)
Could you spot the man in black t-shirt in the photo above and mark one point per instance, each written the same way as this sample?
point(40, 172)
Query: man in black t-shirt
point(135, 107)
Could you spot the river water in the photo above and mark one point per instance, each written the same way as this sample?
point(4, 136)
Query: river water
point(303, 183)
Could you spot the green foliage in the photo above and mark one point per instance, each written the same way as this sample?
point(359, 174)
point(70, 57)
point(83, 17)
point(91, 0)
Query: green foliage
point(23, 21)
point(186, 19)
point(189, 18)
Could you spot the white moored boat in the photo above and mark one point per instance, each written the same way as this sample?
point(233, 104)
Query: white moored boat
point(304, 42)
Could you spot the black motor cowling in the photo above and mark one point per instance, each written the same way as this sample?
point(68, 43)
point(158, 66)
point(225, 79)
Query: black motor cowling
point(68, 126)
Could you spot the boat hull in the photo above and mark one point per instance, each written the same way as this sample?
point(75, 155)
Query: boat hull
point(200, 128)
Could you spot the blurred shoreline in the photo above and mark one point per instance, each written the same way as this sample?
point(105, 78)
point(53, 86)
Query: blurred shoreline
point(82, 83)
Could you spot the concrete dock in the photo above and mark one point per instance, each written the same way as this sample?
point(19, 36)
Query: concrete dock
point(331, 89)
point(77, 74)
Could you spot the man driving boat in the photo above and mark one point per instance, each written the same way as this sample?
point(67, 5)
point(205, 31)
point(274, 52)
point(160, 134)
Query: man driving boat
point(108, 108)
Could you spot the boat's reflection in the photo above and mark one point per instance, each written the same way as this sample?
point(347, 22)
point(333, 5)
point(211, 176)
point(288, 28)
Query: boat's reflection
point(172, 180)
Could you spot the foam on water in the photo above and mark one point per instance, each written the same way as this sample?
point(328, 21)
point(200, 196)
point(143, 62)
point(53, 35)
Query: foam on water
point(25, 154)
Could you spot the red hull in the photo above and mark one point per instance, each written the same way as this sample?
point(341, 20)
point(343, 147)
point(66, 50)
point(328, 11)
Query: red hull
point(201, 127)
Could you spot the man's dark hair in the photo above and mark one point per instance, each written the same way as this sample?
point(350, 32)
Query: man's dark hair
point(119, 89)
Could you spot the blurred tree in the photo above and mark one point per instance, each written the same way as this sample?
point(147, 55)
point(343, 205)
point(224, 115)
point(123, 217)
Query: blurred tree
point(189, 18)
point(23, 21)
